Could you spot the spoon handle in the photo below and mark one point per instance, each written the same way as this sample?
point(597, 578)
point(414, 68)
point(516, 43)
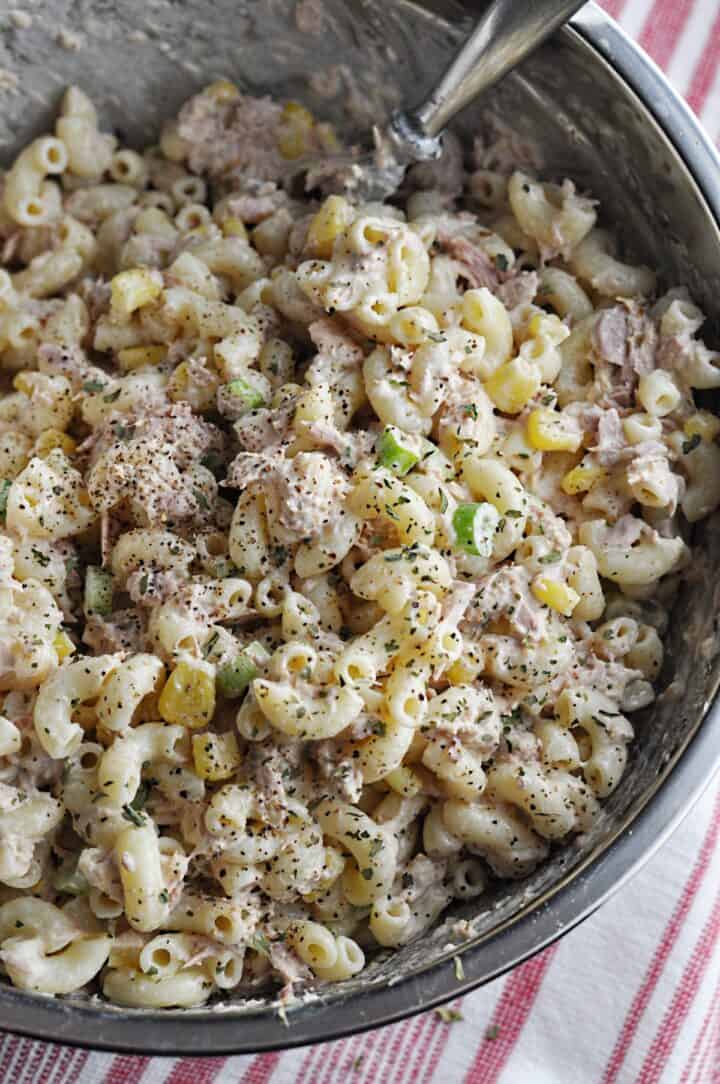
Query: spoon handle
point(504, 35)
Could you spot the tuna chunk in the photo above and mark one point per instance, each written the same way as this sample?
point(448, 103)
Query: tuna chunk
point(506, 594)
point(124, 632)
point(611, 440)
point(519, 289)
point(336, 348)
point(236, 140)
point(309, 491)
point(266, 428)
point(642, 340)
point(142, 463)
point(475, 264)
point(624, 341)
point(305, 492)
point(257, 202)
point(609, 335)
point(239, 133)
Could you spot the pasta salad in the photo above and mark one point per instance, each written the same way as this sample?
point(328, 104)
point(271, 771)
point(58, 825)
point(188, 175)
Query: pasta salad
point(337, 544)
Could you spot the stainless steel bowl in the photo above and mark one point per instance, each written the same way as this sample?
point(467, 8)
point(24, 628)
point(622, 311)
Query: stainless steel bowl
point(601, 113)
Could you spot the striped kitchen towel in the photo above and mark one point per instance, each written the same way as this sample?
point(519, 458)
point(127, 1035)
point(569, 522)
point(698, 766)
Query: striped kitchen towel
point(630, 997)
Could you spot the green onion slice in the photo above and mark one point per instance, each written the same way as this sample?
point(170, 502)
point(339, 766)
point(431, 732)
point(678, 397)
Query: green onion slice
point(5, 484)
point(98, 591)
point(250, 396)
point(395, 451)
point(234, 677)
point(475, 526)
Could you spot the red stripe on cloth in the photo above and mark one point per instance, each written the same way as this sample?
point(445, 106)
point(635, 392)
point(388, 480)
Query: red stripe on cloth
point(196, 1071)
point(9, 1051)
point(714, 1048)
point(711, 1052)
point(669, 937)
point(441, 1038)
point(302, 1071)
point(331, 1057)
point(356, 1061)
point(260, 1069)
point(58, 1067)
point(668, 1031)
point(705, 69)
point(361, 1047)
point(76, 1068)
point(614, 8)
point(702, 1043)
point(515, 1005)
point(372, 1050)
point(30, 1068)
point(415, 1057)
point(410, 1037)
point(395, 1035)
point(663, 27)
point(700, 1039)
point(126, 1070)
point(352, 1049)
point(428, 1028)
point(72, 1070)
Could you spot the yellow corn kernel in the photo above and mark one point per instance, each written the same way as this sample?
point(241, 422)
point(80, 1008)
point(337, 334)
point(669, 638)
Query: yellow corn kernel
point(234, 227)
point(180, 381)
point(23, 382)
point(222, 90)
point(468, 667)
point(188, 697)
point(132, 289)
point(582, 478)
point(185, 386)
point(53, 438)
point(702, 424)
point(555, 594)
point(549, 431)
point(513, 384)
point(216, 756)
point(298, 114)
point(332, 219)
point(404, 781)
point(292, 142)
point(62, 645)
point(135, 357)
point(549, 325)
point(297, 125)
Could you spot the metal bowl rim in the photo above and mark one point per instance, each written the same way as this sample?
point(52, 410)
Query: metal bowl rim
point(220, 1032)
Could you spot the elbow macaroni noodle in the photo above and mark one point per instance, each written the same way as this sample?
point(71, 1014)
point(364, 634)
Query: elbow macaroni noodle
point(329, 541)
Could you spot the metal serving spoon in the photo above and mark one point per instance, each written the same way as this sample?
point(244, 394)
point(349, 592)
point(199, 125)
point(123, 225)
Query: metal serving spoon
point(506, 33)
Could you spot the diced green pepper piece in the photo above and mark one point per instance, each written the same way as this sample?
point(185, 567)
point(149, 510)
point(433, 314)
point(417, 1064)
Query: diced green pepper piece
point(5, 484)
point(250, 396)
point(257, 653)
point(98, 591)
point(69, 879)
point(475, 526)
point(394, 452)
point(234, 677)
